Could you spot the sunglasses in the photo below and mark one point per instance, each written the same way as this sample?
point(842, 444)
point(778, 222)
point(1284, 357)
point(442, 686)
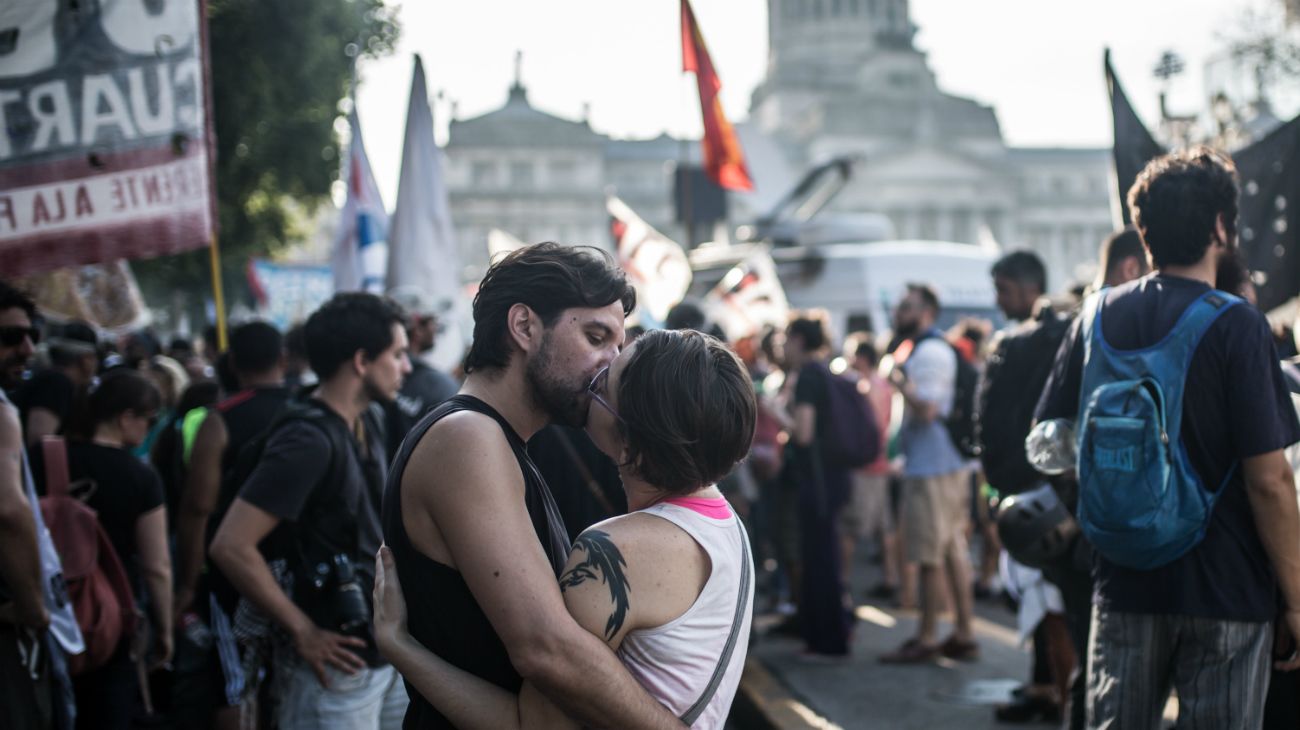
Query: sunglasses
point(597, 387)
point(13, 335)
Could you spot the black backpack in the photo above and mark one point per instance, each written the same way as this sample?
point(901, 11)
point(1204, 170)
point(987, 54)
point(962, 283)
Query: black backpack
point(285, 542)
point(960, 422)
point(1014, 378)
point(851, 437)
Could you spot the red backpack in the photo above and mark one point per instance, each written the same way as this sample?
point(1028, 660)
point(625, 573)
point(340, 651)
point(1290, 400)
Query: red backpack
point(98, 588)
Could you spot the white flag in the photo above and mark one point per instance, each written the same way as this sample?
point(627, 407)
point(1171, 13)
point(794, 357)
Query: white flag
point(422, 248)
point(360, 246)
point(748, 298)
point(655, 264)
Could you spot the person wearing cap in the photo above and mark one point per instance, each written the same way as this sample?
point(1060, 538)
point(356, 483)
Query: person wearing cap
point(426, 386)
point(45, 401)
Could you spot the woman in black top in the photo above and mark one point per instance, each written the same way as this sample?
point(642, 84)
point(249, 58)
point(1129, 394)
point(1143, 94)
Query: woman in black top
point(127, 496)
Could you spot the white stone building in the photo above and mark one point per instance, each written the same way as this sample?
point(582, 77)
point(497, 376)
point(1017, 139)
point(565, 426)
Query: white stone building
point(843, 77)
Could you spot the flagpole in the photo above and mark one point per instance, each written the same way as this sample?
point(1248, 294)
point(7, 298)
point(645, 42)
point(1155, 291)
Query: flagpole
point(218, 297)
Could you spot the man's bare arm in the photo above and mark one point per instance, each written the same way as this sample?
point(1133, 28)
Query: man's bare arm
point(20, 559)
point(198, 500)
point(1270, 485)
point(156, 569)
point(477, 503)
point(234, 550)
point(468, 701)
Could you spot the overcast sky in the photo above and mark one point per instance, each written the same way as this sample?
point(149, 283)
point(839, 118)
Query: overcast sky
point(1037, 63)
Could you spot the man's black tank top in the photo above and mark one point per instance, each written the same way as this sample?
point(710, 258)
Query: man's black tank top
point(441, 612)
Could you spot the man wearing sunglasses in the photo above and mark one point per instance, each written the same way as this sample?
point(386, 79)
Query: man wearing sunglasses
point(472, 525)
point(29, 567)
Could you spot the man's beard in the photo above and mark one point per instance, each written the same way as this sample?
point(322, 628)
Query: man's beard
point(16, 364)
point(906, 331)
point(374, 393)
point(560, 400)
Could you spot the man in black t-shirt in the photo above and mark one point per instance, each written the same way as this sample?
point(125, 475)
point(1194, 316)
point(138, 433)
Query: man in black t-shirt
point(1201, 623)
point(322, 476)
point(256, 355)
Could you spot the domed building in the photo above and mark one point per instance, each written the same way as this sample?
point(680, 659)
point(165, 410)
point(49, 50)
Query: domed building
point(844, 77)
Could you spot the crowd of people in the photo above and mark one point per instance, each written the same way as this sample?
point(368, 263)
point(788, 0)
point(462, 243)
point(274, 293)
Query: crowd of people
point(190, 536)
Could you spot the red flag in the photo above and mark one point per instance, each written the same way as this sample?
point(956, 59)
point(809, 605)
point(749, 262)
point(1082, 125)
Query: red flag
point(723, 158)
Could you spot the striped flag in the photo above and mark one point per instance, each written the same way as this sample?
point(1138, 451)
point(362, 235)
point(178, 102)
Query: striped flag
point(360, 246)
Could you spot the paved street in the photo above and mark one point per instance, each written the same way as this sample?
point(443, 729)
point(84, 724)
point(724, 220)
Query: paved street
point(863, 693)
point(785, 691)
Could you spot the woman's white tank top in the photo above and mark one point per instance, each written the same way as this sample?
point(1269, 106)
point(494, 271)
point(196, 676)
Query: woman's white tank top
point(675, 661)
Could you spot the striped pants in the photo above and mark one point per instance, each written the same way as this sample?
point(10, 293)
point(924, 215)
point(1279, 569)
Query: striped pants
point(1219, 668)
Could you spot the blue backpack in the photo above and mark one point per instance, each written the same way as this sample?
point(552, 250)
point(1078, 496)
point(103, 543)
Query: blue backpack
point(1141, 504)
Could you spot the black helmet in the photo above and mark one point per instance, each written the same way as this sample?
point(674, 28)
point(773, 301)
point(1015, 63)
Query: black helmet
point(1035, 527)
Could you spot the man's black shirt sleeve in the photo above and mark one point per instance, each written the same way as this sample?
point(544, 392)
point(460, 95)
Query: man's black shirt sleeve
point(1260, 416)
point(1060, 398)
point(295, 460)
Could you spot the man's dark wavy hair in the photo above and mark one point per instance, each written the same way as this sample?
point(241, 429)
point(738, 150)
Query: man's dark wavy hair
point(688, 409)
point(548, 278)
point(11, 297)
point(346, 323)
point(1177, 200)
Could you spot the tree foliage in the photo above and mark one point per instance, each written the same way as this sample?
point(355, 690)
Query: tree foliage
point(280, 69)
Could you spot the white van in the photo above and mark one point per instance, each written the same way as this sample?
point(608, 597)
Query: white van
point(859, 283)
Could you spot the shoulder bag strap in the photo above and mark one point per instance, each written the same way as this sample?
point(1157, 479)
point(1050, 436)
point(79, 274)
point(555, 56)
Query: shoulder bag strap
point(724, 661)
point(55, 451)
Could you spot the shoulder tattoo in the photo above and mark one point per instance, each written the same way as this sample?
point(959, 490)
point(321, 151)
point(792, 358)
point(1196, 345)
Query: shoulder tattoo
point(605, 563)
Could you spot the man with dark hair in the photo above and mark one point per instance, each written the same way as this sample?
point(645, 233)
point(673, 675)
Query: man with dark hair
point(472, 526)
point(18, 336)
point(1203, 622)
point(936, 482)
point(29, 567)
point(257, 356)
point(320, 474)
point(426, 386)
point(45, 400)
point(1020, 279)
point(1123, 258)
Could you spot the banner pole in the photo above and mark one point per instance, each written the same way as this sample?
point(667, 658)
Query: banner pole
point(218, 297)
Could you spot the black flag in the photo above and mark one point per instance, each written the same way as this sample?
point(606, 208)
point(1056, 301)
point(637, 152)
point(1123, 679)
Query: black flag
point(1269, 172)
point(1134, 146)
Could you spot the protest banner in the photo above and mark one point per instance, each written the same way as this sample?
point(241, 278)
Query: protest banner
point(104, 132)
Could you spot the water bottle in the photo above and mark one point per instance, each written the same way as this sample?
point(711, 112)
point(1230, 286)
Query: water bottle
point(195, 631)
point(1050, 446)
